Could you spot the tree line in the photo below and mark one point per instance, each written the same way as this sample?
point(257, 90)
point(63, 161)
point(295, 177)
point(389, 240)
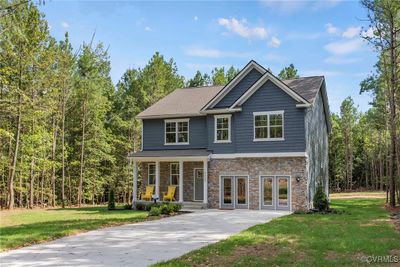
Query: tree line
point(66, 129)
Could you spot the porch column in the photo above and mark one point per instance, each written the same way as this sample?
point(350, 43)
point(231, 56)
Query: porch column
point(205, 180)
point(134, 189)
point(181, 181)
point(158, 180)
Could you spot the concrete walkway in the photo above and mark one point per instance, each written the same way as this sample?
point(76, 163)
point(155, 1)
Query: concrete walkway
point(139, 244)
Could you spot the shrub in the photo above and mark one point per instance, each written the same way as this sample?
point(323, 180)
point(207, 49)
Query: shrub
point(320, 200)
point(111, 199)
point(127, 207)
point(166, 209)
point(151, 205)
point(154, 211)
point(176, 207)
point(140, 206)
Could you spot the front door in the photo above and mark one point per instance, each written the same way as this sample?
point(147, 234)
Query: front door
point(234, 192)
point(198, 185)
point(275, 192)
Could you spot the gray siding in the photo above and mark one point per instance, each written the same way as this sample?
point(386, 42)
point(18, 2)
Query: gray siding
point(317, 146)
point(239, 89)
point(153, 134)
point(268, 98)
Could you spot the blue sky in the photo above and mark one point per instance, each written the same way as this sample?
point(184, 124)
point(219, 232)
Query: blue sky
point(319, 37)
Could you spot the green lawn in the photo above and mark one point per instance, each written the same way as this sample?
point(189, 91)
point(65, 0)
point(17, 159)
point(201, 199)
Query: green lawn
point(307, 240)
point(24, 227)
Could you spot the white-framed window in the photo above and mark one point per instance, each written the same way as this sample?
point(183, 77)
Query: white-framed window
point(174, 174)
point(222, 128)
point(176, 132)
point(269, 126)
point(151, 174)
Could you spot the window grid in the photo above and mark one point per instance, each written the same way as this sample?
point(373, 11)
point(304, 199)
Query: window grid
point(268, 126)
point(174, 174)
point(177, 132)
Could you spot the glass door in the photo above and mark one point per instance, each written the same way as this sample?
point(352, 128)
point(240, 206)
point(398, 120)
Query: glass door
point(227, 194)
point(275, 192)
point(198, 185)
point(241, 192)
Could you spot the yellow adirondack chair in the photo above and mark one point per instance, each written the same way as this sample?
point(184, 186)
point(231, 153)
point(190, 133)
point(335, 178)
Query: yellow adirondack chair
point(170, 195)
point(149, 193)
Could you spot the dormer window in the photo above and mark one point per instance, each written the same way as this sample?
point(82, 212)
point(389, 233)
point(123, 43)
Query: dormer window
point(177, 132)
point(268, 126)
point(222, 126)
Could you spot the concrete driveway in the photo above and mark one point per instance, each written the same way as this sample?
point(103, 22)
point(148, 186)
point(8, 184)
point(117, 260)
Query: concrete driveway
point(139, 244)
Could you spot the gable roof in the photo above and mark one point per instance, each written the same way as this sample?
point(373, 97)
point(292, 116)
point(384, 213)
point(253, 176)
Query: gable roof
point(277, 82)
point(307, 87)
point(181, 102)
point(227, 88)
point(198, 101)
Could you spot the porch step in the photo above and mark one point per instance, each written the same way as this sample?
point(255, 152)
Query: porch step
point(194, 205)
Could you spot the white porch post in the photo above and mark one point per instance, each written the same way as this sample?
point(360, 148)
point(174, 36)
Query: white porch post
point(181, 181)
point(205, 180)
point(134, 189)
point(158, 180)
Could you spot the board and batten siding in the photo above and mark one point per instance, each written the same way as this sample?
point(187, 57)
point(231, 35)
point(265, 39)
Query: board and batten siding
point(154, 132)
point(239, 89)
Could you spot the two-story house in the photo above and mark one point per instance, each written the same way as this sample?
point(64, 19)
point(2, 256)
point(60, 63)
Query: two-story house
point(257, 143)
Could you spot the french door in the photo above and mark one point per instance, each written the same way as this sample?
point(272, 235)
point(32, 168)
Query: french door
point(275, 192)
point(234, 192)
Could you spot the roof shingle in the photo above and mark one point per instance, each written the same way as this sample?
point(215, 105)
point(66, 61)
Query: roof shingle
point(190, 101)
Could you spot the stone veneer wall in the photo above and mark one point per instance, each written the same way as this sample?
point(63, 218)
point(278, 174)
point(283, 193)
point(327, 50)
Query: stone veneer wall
point(188, 178)
point(254, 167)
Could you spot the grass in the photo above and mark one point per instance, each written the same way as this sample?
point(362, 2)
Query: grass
point(363, 229)
point(25, 227)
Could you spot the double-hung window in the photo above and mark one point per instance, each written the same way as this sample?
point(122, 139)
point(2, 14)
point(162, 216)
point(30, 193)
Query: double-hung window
point(222, 126)
point(151, 174)
point(177, 132)
point(174, 174)
point(268, 126)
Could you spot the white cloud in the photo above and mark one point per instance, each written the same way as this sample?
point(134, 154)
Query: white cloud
point(198, 51)
point(351, 32)
point(195, 18)
point(65, 25)
point(368, 33)
point(335, 60)
point(344, 47)
point(274, 42)
point(148, 29)
point(240, 28)
point(330, 28)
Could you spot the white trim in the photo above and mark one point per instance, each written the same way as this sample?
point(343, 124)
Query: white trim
point(250, 66)
point(258, 155)
point(268, 113)
point(221, 111)
point(225, 116)
point(205, 181)
point(184, 158)
point(194, 184)
point(141, 145)
point(303, 105)
point(148, 173)
point(180, 181)
point(157, 193)
point(170, 173)
point(274, 193)
point(164, 116)
point(268, 76)
point(176, 121)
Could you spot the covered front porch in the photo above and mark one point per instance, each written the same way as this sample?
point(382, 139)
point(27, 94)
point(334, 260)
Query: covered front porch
point(183, 171)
